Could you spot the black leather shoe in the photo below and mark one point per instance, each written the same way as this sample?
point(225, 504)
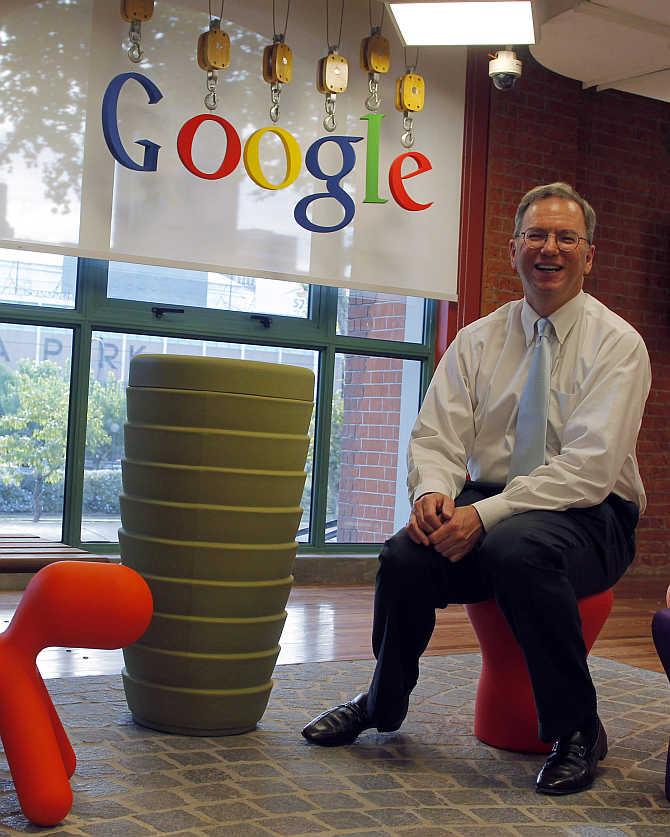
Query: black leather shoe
point(341, 725)
point(571, 766)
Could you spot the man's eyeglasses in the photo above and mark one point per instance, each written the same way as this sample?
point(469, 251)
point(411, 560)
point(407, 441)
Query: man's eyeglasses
point(566, 240)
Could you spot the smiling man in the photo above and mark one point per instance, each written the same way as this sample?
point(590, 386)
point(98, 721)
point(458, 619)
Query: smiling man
point(524, 487)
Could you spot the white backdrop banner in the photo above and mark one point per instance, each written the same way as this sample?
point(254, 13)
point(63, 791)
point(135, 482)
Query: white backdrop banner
point(62, 190)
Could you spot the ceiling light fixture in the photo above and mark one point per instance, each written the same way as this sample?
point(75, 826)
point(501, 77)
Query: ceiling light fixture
point(462, 23)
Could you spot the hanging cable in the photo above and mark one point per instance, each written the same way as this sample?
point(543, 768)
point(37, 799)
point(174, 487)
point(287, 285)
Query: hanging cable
point(274, 24)
point(336, 46)
point(381, 22)
point(220, 13)
point(411, 68)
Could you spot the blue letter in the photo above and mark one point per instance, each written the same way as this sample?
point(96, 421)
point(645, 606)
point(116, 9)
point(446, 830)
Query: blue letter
point(110, 126)
point(332, 183)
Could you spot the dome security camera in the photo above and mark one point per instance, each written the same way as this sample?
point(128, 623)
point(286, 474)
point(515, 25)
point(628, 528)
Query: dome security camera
point(504, 69)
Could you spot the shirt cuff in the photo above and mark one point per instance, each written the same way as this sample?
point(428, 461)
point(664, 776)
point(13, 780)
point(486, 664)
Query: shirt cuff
point(431, 488)
point(492, 510)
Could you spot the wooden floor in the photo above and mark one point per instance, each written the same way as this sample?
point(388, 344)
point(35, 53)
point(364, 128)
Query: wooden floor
point(333, 623)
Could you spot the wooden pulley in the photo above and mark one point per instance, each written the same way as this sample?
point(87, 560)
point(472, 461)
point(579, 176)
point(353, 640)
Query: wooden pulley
point(277, 63)
point(375, 54)
point(139, 10)
point(332, 73)
point(214, 48)
point(410, 92)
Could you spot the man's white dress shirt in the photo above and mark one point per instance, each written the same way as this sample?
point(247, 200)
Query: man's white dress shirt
point(600, 380)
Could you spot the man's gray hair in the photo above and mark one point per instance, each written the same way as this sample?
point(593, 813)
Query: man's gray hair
point(556, 190)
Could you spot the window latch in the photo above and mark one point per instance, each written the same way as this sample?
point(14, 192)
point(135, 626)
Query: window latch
point(263, 319)
point(159, 312)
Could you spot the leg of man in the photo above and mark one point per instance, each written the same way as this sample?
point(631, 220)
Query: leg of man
point(540, 563)
point(411, 582)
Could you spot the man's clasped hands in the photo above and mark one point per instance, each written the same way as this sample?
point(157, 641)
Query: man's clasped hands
point(453, 531)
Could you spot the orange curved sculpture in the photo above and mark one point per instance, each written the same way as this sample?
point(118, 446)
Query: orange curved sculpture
point(69, 603)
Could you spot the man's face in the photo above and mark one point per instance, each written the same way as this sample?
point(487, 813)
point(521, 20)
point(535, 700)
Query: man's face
point(551, 277)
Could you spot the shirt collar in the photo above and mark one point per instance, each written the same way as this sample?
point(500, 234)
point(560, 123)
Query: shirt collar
point(562, 319)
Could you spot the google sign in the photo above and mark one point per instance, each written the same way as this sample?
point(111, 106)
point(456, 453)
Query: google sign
point(250, 156)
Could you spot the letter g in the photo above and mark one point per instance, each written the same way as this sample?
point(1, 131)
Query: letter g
point(110, 126)
point(334, 190)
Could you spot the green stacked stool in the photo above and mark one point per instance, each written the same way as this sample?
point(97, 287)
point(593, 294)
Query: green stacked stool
point(213, 475)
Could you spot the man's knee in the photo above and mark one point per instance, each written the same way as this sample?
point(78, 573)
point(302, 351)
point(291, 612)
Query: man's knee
point(399, 552)
point(403, 562)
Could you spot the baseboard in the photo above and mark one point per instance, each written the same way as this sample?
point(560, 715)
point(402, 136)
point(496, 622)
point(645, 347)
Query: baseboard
point(335, 570)
point(14, 581)
point(331, 570)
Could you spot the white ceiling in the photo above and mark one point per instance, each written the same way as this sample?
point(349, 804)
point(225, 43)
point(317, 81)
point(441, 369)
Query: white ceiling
point(619, 44)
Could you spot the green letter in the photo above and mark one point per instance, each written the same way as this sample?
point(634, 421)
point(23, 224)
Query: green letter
point(372, 159)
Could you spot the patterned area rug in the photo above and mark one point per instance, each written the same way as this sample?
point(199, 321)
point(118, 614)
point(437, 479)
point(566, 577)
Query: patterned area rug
point(431, 778)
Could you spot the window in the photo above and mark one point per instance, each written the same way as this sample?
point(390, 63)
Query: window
point(220, 291)
point(380, 316)
point(34, 399)
point(37, 278)
point(375, 402)
point(84, 320)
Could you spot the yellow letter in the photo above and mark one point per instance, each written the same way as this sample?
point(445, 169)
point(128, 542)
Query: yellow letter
point(252, 161)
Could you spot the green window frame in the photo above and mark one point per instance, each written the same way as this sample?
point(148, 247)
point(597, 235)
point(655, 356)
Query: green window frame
point(94, 312)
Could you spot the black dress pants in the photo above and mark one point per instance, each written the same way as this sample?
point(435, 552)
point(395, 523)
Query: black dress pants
point(536, 565)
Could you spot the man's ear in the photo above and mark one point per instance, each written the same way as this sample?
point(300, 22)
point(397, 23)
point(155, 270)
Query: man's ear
point(512, 253)
point(588, 261)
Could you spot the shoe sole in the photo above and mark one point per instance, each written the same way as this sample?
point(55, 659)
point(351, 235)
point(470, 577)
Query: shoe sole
point(344, 743)
point(549, 792)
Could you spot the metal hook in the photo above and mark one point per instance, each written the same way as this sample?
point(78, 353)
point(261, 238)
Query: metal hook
point(210, 98)
point(135, 52)
point(329, 121)
point(373, 101)
point(407, 139)
point(275, 90)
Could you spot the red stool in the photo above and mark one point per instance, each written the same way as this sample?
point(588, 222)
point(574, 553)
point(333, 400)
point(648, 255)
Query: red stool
point(505, 715)
point(71, 603)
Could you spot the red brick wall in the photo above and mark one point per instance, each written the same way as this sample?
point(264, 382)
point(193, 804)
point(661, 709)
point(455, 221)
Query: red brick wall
point(369, 317)
point(371, 391)
point(615, 149)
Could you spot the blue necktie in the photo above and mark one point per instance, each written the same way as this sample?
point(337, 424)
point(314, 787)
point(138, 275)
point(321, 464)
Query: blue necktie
point(530, 440)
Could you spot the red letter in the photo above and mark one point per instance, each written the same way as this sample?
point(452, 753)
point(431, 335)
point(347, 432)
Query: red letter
point(396, 178)
point(185, 146)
